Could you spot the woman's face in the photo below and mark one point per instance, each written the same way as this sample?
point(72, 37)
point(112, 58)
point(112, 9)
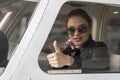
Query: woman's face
point(78, 30)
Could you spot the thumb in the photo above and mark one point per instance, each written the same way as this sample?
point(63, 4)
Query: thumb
point(56, 47)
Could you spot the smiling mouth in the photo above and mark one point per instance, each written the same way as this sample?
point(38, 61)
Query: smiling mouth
point(77, 39)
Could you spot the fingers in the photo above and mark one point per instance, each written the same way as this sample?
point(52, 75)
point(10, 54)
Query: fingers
point(51, 55)
point(56, 47)
point(53, 60)
point(55, 65)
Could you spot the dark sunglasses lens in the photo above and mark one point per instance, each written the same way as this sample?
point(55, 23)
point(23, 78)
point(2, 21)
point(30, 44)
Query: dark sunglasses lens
point(82, 29)
point(71, 31)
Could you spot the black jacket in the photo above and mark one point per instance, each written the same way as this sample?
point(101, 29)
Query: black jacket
point(89, 55)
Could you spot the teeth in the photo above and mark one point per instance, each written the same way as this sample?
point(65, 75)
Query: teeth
point(77, 39)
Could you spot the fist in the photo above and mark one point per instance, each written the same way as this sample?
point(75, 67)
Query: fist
point(58, 59)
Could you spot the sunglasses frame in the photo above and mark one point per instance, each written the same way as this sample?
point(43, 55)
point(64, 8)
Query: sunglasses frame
point(81, 29)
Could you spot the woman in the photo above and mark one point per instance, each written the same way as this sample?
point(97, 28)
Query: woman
point(80, 46)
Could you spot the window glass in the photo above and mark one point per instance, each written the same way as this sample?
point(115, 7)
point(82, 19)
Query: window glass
point(112, 23)
point(94, 52)
point(14, 18)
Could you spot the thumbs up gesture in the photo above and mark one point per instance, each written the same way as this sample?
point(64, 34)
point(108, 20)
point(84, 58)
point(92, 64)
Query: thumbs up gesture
point(58, 59)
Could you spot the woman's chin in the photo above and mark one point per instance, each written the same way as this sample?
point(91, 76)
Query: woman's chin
point(78, 43)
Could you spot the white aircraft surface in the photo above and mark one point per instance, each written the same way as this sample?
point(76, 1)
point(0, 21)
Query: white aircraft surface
point(32, 25)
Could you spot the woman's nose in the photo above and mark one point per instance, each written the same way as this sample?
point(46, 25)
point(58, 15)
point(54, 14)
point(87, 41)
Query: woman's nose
point(76, 32)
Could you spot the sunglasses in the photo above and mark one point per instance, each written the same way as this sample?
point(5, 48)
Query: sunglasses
point(80, 29)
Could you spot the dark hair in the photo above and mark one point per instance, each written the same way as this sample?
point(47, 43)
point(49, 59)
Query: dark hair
point(80, 12)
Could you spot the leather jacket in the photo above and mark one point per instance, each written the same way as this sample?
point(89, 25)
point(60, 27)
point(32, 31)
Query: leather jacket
point(89, 54)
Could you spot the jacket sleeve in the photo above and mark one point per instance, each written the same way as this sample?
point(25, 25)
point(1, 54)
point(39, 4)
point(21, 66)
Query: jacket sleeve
point(99, 59)
point(76, 56)
point(100, 51)
point(77, 63)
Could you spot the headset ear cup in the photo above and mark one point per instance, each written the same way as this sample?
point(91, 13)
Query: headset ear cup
point(68, 51)
point(70, 44)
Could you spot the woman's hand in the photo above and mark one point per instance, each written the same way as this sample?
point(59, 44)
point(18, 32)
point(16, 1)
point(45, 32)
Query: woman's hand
point(58, 58)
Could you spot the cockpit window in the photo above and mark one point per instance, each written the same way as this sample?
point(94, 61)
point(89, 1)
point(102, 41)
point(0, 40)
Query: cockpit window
point(80, 40)
point(14, 18)
point(111, 20)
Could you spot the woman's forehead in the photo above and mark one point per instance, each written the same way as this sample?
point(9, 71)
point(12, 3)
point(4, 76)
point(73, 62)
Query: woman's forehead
point(77, 21)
